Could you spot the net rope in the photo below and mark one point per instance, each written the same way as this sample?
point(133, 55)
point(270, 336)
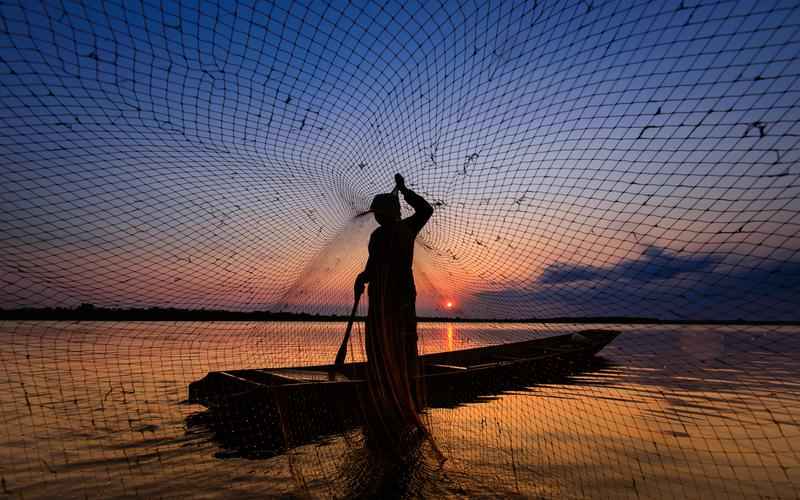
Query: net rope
point(166, 161)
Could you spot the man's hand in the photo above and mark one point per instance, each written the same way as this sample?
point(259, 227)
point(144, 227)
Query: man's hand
point(401, 183)
point(358, 286)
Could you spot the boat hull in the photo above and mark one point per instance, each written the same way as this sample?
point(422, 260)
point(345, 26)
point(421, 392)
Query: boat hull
point(262, 412)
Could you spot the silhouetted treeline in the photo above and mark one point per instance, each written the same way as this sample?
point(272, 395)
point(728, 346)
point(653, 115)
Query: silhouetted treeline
point(89, 312)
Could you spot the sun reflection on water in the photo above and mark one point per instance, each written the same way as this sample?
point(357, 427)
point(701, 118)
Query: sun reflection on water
point(449, 336)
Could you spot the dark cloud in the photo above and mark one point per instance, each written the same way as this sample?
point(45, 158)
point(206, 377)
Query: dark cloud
point(654, 264)
point(660, 284)
point(568, 273)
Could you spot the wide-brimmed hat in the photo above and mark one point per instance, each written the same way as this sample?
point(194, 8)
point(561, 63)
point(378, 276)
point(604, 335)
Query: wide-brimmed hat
point(387, 203)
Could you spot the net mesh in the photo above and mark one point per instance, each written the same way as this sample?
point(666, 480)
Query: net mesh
point(178, 169)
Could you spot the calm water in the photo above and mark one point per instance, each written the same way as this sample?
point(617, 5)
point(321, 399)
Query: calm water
point(98, 410)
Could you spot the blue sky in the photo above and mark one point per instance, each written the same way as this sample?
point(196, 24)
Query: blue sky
point(160, 153)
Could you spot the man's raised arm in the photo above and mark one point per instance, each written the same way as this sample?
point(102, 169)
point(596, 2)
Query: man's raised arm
point(422, 209)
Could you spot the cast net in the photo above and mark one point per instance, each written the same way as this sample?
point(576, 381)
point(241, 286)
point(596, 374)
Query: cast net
point(178, 169)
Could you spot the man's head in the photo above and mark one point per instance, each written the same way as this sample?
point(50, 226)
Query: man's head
point(386, 208)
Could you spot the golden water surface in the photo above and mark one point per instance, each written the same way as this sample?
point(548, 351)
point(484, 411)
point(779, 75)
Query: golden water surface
point(98, 410)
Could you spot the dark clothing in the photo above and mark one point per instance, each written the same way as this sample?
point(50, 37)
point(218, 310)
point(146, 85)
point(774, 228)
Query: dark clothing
point(391, 248)
point(391, 326)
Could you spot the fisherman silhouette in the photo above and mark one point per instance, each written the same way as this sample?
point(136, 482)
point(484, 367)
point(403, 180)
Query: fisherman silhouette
point(391, 326)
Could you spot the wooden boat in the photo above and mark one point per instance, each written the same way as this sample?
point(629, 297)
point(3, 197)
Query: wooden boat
point(438, 370)
point(276, 408)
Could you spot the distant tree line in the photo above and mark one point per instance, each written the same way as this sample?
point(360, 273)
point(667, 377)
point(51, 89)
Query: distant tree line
point(90, 312)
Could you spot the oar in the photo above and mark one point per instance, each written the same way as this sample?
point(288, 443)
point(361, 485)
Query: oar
point(343, 348)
